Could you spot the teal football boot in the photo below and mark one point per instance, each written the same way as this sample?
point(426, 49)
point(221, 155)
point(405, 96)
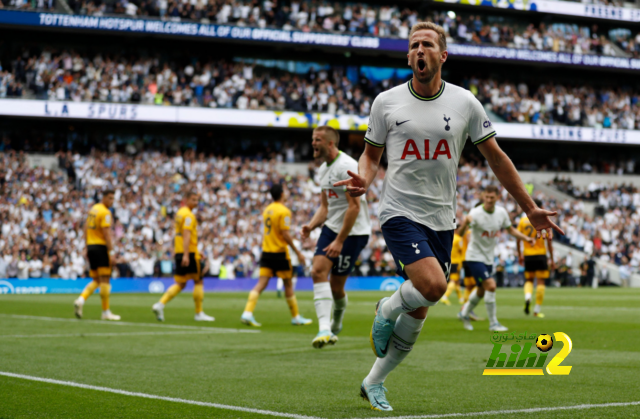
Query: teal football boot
point(381, 331)
point(374, 394)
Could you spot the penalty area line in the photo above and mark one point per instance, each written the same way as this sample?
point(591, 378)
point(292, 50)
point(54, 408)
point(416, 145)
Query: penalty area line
point(119, 323)
point(511, 412)
point(156, 397)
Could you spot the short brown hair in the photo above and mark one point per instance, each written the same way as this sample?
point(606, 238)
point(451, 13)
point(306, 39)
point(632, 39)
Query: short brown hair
point(190, 193)
point(491, 189)
point(442, 35)
point(332, 132)
point(108, 192)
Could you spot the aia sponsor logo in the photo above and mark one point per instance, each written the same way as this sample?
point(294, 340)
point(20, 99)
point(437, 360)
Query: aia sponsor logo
point(490, 234)
point(332, 194)
point(411, 149)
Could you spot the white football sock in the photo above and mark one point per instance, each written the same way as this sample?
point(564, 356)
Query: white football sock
point(472, 303)
point(536, 309)
point(405, 300)
point(490, 304)
point(527, 296)
point(339, 307)
point(323, 300)
point(405, 334)
point(279, 284)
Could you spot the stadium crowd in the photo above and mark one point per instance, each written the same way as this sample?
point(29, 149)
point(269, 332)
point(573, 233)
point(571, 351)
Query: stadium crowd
point(555, 104)
point(43, 212)
point(363, 19)
point(68, 75)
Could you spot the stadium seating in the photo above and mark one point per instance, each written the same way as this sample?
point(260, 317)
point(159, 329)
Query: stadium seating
point(43, 212)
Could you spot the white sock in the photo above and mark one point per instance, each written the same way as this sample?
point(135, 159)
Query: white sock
point(323, 300)
point(536, 309)
point(279, 285)
point(490, 304)
point(294, 282)
point(472, 303)
point(405, 334)
point(106, 311)
point(527, 296)
point(405, 300)
point(160, 304)
point(247, 314)
point(339, 307)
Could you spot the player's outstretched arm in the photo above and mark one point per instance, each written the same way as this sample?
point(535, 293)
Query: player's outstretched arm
point(507, 174)
point(318, 218)
point(289, 240)
point(518, 235)
point(368, 166)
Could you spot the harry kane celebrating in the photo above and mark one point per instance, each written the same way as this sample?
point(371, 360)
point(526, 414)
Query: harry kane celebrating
point(345, 233)
point(424, 125)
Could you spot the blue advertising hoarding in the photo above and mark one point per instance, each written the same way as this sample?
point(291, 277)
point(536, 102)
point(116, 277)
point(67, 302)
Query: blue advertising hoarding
point(267, 35)
point(159, 285)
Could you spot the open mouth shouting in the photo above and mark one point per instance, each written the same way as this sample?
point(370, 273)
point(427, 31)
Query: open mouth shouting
point(422, 64)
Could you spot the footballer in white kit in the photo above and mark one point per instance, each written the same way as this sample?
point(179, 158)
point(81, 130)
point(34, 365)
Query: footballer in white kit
point(345, 233)
point(423, 124)
point(485, 222)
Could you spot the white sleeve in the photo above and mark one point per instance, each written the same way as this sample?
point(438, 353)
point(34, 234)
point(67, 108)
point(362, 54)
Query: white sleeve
point(507, 221)
point(480, 127)
point(377, 131)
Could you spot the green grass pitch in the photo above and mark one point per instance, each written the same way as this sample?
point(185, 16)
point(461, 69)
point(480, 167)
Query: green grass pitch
point(278, 370)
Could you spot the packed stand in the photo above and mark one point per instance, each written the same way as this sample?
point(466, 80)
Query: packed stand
point(246, 85)
point(372, 20)
point(45, 5)
point(553, 104)
point(43, 213)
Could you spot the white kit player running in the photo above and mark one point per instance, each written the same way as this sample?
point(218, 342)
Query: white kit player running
point(345, 233)
point(485, 222)
point(424, 125)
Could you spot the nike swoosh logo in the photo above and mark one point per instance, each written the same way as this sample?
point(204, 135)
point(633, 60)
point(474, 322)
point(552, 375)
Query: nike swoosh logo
point(386, 348)
point(400, 123)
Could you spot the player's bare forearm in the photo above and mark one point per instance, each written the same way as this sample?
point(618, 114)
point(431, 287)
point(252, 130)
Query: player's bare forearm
point(287, 238)
point(369, 163)
point(518, 248)
point(186, 239)
point(550, 245)
point(506, 173)
point(350, 217)
point(518, 235)
point(463, 227)
point(106, 232)
point(321, 215)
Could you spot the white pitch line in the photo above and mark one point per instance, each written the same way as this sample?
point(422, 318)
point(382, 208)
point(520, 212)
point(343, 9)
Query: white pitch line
point(511, 412)
point(168, 326)
point(80, 335)
point(155, 397)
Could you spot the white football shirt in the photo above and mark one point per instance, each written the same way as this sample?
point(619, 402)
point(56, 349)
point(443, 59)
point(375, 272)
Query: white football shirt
point(328, 174)
point(424, 137)
point(484, 227)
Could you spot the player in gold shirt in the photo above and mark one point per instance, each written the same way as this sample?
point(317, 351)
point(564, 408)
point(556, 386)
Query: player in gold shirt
point(187, 260)
point(99, 252)
point(457, 256)
point(535, 264)
point(275, 259)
